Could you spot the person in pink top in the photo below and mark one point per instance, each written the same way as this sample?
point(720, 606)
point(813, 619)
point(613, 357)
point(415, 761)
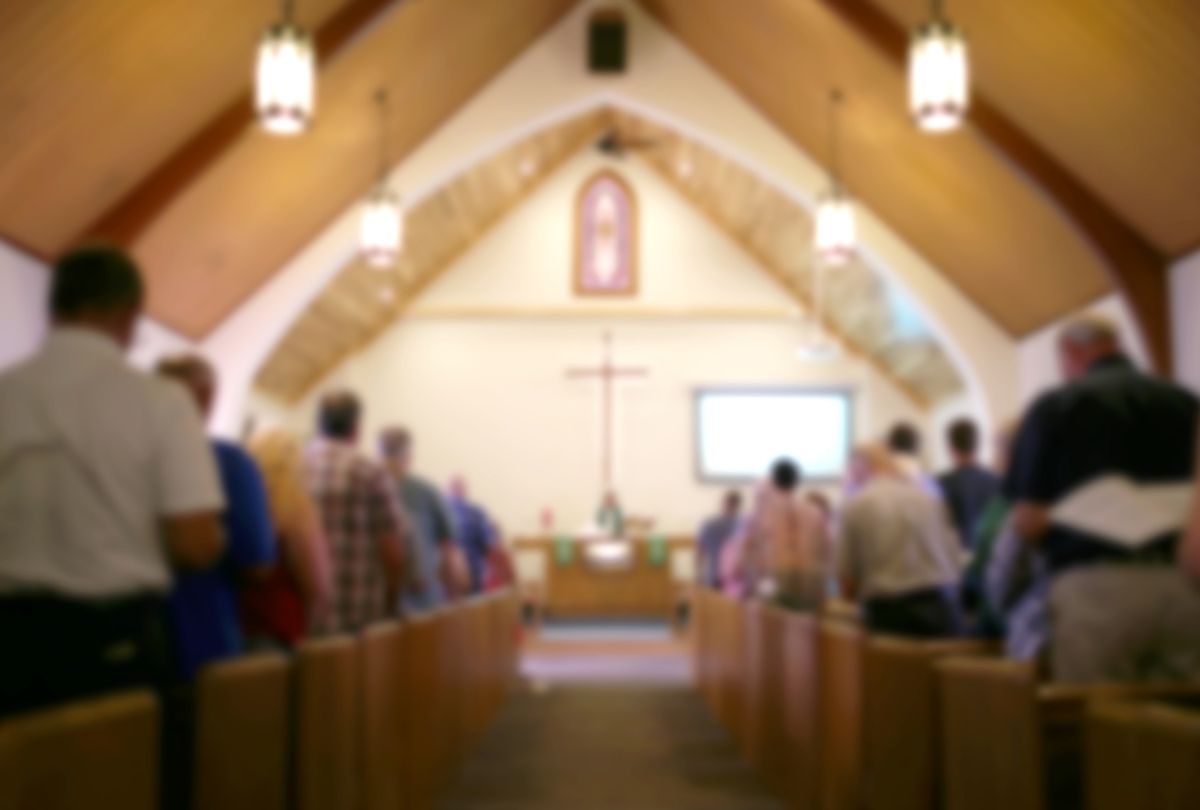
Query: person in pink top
point(782, 553)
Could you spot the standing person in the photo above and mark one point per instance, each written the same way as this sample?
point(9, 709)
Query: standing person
point(474, 530)
point(897, 553)
point(363, 520)
point(610, 517)
point(784, 547)
point(279, 610)
point(432, 548)
point(1115, 613)
point(904, 443)
point(968, 487)
point(106, 483)
point(204, 606)
point(714, 534)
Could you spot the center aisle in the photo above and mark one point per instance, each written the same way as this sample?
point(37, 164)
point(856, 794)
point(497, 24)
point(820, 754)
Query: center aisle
point(644, 744)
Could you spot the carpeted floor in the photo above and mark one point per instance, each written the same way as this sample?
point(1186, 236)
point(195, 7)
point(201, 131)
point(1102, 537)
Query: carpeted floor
point(577, 746)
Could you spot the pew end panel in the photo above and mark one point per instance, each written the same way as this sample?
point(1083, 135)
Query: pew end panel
point(840, 674)
point(102, 752)
point(1143, 756)
point(242, 729)
point(326, 718)
point(901, 750)
point(1012, 742)
point(381, 725)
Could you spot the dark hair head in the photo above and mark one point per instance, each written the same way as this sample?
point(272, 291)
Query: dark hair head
point(963, 436)
point(733, 500)
point(95, 280)
point(785, 474)
point(904, 438)
point(338, 414)
point(395, 442)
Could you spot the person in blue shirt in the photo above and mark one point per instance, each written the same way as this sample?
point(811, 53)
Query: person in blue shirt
point(204, 604)
point(474, 530)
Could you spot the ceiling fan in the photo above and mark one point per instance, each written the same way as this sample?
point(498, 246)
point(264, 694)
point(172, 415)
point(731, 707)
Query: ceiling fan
point(617, 145)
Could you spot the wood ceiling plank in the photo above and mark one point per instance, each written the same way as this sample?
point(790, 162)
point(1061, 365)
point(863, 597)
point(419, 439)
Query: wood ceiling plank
point(1107, 88)
point(124, 222)
point(265, 198)
point(1135, 266)
point(97, 94)
point(954, 198)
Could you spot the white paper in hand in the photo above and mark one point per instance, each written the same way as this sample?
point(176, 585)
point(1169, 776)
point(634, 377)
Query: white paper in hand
point(1123, 512)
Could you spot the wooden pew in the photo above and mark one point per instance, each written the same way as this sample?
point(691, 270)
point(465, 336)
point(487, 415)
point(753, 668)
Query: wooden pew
point(419, 688)
point(242, 735)
point(787, 749)
point(326, 717)
point(901, 727)
point(1143, 756)
point(96, 753)
point(381, 726)
point(839, 719)
point(1012, 743)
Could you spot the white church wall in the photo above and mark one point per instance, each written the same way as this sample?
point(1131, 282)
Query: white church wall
point(666, 82)
point(23, 282)
point(1039, 359)
point(477, 368)
point(1185, 318)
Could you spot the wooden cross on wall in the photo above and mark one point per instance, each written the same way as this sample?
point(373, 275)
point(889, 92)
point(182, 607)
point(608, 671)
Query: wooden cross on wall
point(607, 372)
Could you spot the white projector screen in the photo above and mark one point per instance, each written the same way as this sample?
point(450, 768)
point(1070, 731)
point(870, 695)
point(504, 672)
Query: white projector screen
point(740, 433)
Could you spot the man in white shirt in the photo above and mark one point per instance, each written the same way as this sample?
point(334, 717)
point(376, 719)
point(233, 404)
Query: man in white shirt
point(897, 551)
point(107, 483)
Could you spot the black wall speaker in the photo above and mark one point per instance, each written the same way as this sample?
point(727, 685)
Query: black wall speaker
point(607, 36)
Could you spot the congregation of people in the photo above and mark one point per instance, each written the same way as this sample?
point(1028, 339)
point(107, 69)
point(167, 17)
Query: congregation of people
point(979, 551)
point(135, 550)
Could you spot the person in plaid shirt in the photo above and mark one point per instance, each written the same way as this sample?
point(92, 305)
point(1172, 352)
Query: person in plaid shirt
point(364, 521)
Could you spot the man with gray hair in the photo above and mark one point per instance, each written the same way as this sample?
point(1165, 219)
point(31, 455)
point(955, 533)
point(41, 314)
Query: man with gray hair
point(1115, 613)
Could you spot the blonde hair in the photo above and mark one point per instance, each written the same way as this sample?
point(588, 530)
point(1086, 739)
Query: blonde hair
point(877, 458)
point(280, 458)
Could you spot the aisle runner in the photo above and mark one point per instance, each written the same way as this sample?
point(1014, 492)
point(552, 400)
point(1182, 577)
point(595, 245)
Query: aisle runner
point(633, 747)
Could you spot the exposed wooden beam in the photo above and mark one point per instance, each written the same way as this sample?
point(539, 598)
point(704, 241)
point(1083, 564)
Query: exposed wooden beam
point(125, 221)
point(1135, 267)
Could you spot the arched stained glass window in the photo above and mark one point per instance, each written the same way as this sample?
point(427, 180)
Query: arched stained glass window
point(606, 237)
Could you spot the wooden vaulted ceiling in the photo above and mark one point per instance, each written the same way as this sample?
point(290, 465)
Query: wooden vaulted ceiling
point(1077, 174)
point(358, 303)
point(867, 318)
point(1077, 171)
point(109, 104)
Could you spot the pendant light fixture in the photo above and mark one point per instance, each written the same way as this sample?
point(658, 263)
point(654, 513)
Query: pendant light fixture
point(834, 232)
point(285, 79)
point(381, 231)
point(938, 74)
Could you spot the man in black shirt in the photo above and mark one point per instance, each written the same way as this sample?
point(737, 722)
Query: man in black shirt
point(969, 487)
point(1116, 614)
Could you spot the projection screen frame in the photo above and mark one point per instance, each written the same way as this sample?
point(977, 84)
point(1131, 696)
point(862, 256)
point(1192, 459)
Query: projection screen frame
point(846, 391)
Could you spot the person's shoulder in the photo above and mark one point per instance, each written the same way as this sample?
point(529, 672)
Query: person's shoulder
point(233, 456)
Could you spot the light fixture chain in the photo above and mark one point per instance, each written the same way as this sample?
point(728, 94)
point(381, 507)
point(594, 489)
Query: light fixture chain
point(835, 101)
point(289, 11)
point(382, 98)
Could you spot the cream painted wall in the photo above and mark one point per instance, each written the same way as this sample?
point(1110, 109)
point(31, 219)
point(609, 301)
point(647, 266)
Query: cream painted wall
point(666, 83)
point(477, 370)
point(1038, 358)
point(22, 304)
point(1185, 318)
